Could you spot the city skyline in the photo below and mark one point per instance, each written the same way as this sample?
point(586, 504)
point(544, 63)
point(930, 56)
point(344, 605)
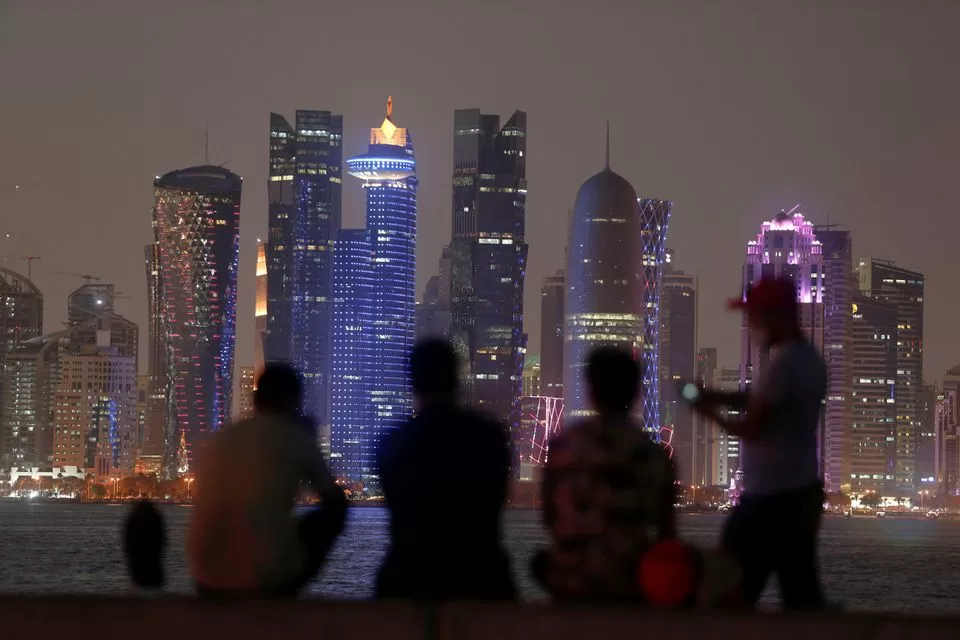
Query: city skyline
point(853, 152)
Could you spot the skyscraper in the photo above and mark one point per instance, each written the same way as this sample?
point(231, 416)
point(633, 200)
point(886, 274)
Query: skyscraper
point(379, 275)
point(196, 229)
point(260, 312)
point(551, 334)
point(948, 454)
point(707, 457)
point(90, 311)
point(927, 441)
point(786, 247)
point(353, 375)
point(21, 319)
point(839, 286)
point(654, 224)
point(605, 296)
point(490, 253)
point(873, 453)
point(155, 418)
point(678, 362)
point(886, 281)
point(304, 194)
point(245, 404)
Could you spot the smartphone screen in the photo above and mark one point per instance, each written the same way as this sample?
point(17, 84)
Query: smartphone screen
point(690, 392)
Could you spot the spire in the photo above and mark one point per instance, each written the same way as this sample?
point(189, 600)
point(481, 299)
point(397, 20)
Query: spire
point(389, 106)
point(606, 164)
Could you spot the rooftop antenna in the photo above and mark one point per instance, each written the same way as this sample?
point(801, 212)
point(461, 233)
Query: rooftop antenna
point(607, 161)
point(206, 144)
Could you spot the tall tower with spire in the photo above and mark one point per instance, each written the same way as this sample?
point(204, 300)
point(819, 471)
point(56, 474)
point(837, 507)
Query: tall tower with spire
point(604, 296)
point(374, 277)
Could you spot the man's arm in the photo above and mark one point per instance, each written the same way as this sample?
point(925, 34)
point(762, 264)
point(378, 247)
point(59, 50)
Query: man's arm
point(322, 481)
point(717, 398)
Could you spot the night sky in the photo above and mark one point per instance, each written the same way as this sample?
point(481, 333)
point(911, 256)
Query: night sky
point(732, 109)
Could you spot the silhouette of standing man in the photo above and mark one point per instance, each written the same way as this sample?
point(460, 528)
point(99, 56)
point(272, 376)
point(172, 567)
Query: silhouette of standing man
point(444, 474)
point(775, 525)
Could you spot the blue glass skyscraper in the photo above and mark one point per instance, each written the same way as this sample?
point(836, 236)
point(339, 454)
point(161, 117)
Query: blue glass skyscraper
point(304, 194)
point(388, 172)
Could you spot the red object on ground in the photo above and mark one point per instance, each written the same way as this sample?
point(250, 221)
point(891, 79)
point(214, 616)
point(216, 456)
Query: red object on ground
point(667, 574)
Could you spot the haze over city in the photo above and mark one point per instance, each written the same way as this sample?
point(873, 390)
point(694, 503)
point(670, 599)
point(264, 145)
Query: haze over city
point(733, 112)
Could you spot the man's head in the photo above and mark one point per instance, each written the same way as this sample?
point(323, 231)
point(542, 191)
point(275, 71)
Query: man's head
point(772, 310)
point(433, 370)
point(614, 380)
point(279, 390)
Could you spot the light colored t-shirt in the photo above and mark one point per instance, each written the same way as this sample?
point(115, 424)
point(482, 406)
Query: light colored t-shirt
point(243, 535)
point(784, 456)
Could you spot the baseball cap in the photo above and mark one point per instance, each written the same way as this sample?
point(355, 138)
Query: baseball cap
point(769, 295)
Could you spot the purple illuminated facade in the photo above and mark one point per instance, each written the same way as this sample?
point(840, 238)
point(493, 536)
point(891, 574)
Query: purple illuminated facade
point(786, 247)
point(654, 224)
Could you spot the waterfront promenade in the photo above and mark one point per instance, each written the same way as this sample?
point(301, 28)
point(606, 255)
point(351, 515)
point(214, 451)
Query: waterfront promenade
point(163, 619)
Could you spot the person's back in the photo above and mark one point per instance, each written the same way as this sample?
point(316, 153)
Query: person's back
point(607, 492)
point(444, 474)
point(244, 537)
point(783, 457)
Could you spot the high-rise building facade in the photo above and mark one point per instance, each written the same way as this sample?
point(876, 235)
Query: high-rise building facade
point(384, 257)
point(196, 229)
point(872, 464)
point(839, 287)
point(260, 311)
point(490, 253)
point(654, 225)
point(532, 375)
point(353, 375)
point(304, 195)
point(90, 311)
point(551, 334)
point(95, 411)
point(707, 432)
point(155, 418)
point(727, 446)
point(21, 319)
point(29, 374)
point(604, 294)
point(245, 392)
point(678, 363)
point(927, 444)
point(948, 424)
point(886, 281)
point(786, 247)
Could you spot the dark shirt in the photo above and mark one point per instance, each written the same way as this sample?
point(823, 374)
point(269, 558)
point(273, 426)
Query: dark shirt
point(445, 474)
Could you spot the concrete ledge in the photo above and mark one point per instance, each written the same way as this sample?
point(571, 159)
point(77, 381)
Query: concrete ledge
point(183, 619)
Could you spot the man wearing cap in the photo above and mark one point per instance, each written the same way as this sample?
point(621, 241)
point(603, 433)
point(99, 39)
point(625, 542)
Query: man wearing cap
point(774, 527)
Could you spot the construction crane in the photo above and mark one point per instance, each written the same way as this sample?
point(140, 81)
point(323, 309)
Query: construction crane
point(85, 276)
point(29, 260)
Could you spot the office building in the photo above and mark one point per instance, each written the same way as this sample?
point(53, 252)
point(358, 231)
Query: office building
point(678, 363)
point(786, 247)
point(884, 280)
point(304, 195)
point(927, 444)
point(604, 295)
point(948, 431)
point(90, 310)
point(727, 446)
point(95, 411)
point(706, 432)
point(245, 387)
point(260, 312)
point(654, 225)
point(29, 373)
point(872, 464)
point(21, 319)
point(532, 376)
point(551, 334)
point(490, 254)
point(374, 278)
point(158, 393)
point(196, 230)
point(839, 287)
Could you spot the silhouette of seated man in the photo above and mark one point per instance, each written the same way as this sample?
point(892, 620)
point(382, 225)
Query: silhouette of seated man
point(608, 492)
point(444, 474)
point(245, 538)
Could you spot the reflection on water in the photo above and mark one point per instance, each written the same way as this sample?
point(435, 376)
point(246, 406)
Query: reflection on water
point(868, 564)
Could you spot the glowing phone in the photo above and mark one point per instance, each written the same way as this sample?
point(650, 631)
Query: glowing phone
point(691, 393)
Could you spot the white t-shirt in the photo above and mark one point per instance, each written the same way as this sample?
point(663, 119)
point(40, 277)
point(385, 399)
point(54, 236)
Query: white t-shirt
point(243, 535)
point(784, 455)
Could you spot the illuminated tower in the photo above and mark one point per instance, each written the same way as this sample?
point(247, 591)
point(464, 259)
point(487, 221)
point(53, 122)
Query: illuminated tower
point(196, 229)
point(786, 247)
point(260, 312)
point(604, 300)
point(489, 207)
point(887, 282)
point(654, 223)
point(304, 193)
point(678, 362)
point(155, 418)
point(388, 172)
